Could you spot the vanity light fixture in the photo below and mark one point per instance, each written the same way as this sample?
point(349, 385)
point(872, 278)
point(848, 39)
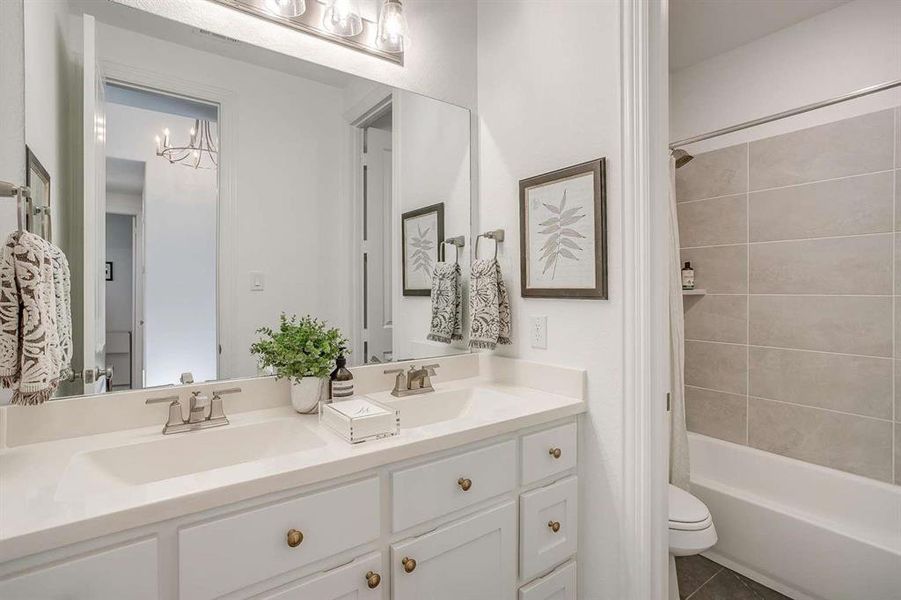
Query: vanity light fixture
point(287, 8)
point(201, 153)
point(342, 17)
point(338, 21)
point(392, 35)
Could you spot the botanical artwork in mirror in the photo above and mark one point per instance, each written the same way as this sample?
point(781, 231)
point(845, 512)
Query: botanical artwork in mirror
point(422, 234)
point(198, 200)
point(563, 229)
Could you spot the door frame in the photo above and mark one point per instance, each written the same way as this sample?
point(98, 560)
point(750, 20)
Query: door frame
point(228, 241)
point(645, 168)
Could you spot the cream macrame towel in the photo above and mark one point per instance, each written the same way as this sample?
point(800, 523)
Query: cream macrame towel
point(30, 354)
point(489, 306)
point(447, 296)
point(62, 294)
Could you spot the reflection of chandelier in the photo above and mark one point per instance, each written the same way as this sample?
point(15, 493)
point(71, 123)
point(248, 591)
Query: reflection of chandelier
point(201, 153)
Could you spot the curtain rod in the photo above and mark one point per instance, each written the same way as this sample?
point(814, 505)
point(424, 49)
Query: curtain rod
point(788, 113)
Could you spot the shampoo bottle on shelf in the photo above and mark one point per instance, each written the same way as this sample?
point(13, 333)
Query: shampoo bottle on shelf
point(688, 277)
point(341, 383)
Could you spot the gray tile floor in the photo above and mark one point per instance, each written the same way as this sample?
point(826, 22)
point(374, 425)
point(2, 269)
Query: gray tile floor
point(702, 579)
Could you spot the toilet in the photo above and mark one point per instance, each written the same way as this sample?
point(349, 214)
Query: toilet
point(691, 531)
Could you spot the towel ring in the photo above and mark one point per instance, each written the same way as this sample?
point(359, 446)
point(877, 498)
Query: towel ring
point(497, 235)
point(457, 242)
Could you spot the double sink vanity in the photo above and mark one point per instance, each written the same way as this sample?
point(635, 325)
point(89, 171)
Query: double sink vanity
point(476, 498)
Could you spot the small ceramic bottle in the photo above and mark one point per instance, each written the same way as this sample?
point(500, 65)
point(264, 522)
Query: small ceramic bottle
point(688, 277)
point(341, 383)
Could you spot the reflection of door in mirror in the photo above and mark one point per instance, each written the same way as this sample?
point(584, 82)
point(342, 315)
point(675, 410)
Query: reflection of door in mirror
point(377, 165)
point(161, 223)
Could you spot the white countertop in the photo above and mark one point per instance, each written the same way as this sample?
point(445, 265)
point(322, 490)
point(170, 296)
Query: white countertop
point(33, 501)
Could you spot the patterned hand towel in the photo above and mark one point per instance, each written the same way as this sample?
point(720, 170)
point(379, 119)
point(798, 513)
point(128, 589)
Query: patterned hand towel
point(489, 306)
point(30, 355)
point(447, 312)
point(62, 293)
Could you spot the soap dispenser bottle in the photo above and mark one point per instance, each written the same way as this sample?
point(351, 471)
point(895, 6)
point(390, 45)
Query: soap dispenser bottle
point(341, 383)
point(688, 277)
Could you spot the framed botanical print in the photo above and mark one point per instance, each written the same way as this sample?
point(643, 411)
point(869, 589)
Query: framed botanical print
point(422, 231)
point(563, 228)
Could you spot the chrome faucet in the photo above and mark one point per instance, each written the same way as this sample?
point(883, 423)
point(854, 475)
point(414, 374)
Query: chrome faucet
point(198, 416)
point(414, 381)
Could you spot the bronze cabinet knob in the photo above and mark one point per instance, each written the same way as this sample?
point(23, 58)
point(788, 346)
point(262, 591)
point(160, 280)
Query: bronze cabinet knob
point(294, 538)
point(554, 525)
point(408, 563)
point(373, 579)
point(555, 452)
point(464, 484)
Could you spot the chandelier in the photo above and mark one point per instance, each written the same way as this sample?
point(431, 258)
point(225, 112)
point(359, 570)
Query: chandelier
point(201, 153)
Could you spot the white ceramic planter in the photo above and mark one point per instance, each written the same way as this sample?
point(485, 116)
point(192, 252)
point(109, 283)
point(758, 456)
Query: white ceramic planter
point(306, 394)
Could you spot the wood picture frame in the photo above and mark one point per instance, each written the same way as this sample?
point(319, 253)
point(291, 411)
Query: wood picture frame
point(563, 233)
point(419, 251)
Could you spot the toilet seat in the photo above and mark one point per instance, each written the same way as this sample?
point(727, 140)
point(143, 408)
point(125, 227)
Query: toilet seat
point(691, 529)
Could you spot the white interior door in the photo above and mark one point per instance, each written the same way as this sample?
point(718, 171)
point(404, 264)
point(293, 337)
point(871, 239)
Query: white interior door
point(94, 215)
point(376, 246)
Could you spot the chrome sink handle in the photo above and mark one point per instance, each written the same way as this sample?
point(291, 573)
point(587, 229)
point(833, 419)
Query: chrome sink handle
point(175, 419)
point(427, 372)
point(217, 413)
point(400, 382)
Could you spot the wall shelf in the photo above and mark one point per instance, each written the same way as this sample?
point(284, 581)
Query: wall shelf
point(694, 292)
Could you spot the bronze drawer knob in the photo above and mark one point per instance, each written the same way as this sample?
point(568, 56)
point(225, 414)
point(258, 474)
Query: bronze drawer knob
point(408, 563)
point(555, 452)
point(373, 579)
point(554, 525)
point(294, 538)
point(464, 484)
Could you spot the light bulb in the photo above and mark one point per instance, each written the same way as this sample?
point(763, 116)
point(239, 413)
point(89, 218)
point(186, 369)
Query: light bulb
point(392, 35)
point(342, 17)
point(286, 8)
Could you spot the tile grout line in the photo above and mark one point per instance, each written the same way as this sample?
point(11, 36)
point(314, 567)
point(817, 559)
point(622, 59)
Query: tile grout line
point(830, 410)
point(748, 189)
point(896, 114)
point(748, 302)
point(789, 240)
point(790, 349)
point(721, 567)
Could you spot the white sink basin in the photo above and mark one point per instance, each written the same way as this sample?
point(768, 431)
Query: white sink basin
point(440, 405)
point(183, 454)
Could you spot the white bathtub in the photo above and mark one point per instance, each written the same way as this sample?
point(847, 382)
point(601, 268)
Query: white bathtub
point(807, 531)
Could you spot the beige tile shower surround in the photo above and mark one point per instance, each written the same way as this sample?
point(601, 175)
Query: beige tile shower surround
point(796, 348)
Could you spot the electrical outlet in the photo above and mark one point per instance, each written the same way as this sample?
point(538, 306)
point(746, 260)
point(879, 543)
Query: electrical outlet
point(538, 332)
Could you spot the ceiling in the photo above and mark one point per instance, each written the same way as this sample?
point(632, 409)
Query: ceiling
point(701, 29)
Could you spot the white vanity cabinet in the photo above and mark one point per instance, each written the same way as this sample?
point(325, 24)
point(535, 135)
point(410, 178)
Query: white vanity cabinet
point(496, 519)
point(472, 558)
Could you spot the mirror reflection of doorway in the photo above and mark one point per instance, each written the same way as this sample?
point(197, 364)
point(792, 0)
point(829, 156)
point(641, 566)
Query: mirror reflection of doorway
point(161, 243)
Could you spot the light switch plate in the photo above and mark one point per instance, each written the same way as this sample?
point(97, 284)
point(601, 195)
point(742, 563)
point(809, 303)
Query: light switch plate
point(538, 332)
point(257, 281)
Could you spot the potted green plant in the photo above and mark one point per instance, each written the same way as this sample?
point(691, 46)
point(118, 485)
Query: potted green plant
point(303, 350)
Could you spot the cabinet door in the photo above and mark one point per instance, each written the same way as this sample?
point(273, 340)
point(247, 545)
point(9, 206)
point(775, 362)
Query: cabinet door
point(559, 584)
point(360, 580)
point(122, 572)
point(473, 558)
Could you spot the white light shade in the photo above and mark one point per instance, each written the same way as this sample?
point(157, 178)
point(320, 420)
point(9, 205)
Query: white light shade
point(286, 8)
point(392, 35)
point(342, 17)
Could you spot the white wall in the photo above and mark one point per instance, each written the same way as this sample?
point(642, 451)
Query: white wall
point(48, 66)
point(432, 155)
point(549, 90)
point(180, 225)
point(441, 62)
point(850, 47)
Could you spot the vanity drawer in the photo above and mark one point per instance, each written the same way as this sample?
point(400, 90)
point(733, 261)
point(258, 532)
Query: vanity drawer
point(228, 554)
point(361, 579)
point(437, 488)
point(541, 512)
point(548, 452)
point(560, 584)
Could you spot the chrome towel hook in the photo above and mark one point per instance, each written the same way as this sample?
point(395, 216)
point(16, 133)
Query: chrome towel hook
point(495, 234)
point(457, 242)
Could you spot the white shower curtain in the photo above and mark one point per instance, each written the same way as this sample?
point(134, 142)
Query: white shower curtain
point(679, 468)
